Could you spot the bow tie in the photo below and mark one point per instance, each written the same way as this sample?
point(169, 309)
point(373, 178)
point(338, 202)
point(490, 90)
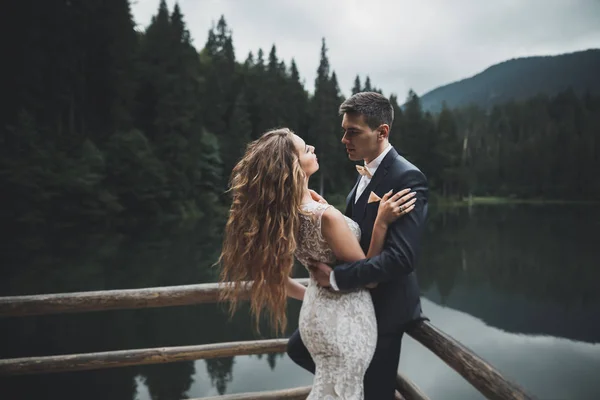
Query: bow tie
point(364, 171)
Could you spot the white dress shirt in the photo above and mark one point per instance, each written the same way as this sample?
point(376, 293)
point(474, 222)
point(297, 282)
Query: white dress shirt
point(372, 168)
point(362, 184)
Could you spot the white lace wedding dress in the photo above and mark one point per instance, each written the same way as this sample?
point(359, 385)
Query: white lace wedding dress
point(338, 329)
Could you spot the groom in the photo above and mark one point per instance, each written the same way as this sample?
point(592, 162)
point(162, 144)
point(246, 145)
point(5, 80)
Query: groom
point(367, 121)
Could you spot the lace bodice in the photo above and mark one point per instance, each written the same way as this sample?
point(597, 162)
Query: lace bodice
point(339, 329)
point(311, 243)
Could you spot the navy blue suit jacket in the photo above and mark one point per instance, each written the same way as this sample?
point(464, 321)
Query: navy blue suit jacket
point(397, 296)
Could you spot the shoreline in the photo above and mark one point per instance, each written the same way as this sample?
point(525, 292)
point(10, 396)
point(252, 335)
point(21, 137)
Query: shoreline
point(497, 200)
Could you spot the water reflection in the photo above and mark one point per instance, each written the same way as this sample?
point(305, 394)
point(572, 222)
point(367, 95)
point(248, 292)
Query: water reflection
point(515, 284)
point(550, 367)
point(523, 269)
point(168, 381)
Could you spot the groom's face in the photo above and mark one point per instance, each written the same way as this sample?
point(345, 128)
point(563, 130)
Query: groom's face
point(360, 140)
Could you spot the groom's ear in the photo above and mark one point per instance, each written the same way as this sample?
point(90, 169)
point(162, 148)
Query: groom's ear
point(383, 131)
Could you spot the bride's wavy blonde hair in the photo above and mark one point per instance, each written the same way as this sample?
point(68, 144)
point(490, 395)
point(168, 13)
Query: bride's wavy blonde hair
point(260, 235)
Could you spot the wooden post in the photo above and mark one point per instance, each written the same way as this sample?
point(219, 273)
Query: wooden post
point(409, 390)
point(123, 358)
point(112, 299)
point(475, 370)
point(287, 394)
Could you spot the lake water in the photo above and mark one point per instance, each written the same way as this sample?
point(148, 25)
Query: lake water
point(516, 284)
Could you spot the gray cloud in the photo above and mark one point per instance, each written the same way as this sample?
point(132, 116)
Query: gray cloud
point(399, 44)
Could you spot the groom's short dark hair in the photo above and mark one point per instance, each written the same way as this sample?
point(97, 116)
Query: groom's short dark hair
point(376, 108)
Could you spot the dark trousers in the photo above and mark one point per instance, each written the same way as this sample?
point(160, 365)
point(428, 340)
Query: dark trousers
point(380, 378)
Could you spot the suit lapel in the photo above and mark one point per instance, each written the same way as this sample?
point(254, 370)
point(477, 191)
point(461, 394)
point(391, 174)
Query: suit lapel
point(350, 198)
point(360, 207)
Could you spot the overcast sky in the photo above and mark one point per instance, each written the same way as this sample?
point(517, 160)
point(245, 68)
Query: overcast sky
point(399, 44)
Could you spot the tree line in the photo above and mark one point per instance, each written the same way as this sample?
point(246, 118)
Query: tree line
point(107, 124)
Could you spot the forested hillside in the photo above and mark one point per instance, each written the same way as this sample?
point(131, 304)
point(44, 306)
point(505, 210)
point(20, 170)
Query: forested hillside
point(519, 79)
point(105, 124)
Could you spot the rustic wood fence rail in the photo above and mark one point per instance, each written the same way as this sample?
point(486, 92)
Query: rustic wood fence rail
point(475, 370)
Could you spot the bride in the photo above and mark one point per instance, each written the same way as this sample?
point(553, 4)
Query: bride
point(274, 217)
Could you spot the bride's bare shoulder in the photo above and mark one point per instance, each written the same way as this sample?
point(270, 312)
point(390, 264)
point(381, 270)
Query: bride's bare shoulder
point(332, 217)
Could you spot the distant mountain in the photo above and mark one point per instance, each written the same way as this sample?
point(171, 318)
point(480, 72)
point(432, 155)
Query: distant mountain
point(521, 78)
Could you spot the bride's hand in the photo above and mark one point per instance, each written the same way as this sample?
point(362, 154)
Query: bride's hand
point(393, 207)
point(317, 197)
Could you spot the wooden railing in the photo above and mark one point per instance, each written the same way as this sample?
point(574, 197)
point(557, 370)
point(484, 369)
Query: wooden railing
point(475, 370)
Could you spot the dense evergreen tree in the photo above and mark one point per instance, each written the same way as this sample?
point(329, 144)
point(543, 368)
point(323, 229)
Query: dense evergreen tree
point(368, 87)
point(324, 130)
point(357, 87)
point(102, 123)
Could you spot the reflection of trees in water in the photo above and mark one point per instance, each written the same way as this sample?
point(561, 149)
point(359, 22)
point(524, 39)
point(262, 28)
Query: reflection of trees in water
point(437, 256)
point(240, 327)
point(517, 249)
point(220, 371)
point(168, 381)
point(66, 334)
point(67, 261)
point(271, 358)
point(167, 255)
point(114, 384)
point(516, 256)
point(64, 262)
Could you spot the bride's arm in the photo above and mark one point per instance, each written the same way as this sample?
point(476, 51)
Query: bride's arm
point(294, 289)
point(342, 241)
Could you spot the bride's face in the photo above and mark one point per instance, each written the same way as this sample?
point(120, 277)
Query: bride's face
point(306, 156)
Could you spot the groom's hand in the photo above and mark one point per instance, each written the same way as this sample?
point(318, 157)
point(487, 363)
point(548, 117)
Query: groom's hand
point(321, 273)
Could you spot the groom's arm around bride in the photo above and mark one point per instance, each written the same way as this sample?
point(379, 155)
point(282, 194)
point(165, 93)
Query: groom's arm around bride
point(396, 296)
point(399, 255)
